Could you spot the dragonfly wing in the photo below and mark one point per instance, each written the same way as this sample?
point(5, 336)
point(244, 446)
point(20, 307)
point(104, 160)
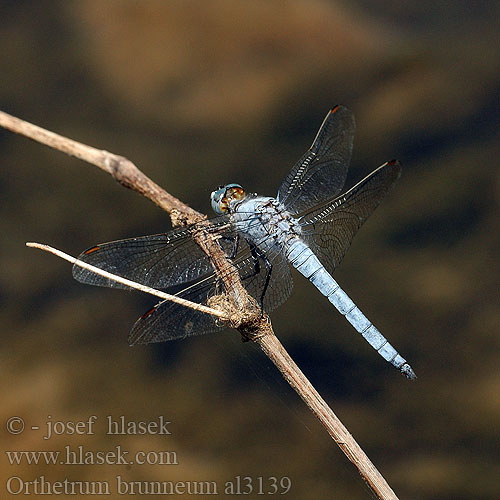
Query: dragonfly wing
point(158, 261)
point(169, 321)
point(172, 259)
point(320, 174)
point(330, 227)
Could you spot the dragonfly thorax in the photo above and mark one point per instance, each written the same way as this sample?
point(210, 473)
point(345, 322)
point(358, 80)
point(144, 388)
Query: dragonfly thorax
point(265, 222)
point(222, 197)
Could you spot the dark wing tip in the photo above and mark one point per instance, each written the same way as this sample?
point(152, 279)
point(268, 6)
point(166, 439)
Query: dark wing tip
point(394, 162)
point(91, 250)
point(149, 312)
point(396, 167)
point(138, 335)
point(79, 273)
point(339, 107)
point(344, 116)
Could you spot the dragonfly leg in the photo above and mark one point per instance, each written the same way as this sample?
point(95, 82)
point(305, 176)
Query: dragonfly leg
point(256, 254)
point(235, 241)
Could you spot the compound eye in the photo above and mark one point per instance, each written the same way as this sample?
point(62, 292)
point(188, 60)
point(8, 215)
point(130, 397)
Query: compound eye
point(223, 196)
point(217, 199)
point(237, 193)
point(223, 205)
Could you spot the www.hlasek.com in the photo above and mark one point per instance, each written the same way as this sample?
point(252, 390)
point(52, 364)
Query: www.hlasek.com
point(79, 455)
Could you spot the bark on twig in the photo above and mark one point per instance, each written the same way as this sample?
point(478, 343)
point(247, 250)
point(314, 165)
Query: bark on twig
point(249, 321)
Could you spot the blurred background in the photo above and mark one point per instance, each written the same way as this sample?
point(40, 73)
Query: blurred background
point(198, 94)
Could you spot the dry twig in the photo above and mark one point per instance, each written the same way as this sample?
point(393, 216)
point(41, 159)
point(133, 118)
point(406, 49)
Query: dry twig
point(250, 323)
point(131, 284)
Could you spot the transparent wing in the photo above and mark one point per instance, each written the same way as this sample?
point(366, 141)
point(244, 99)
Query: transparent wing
point(158, 261)
point(320, 174)
point(172, 259)
point(169, 321)
point(330, 227)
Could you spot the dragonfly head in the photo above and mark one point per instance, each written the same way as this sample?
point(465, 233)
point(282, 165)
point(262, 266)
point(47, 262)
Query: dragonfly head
point(222, 197)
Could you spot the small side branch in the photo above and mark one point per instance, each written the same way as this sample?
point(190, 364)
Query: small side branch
point(129, 283)
point(127, 174)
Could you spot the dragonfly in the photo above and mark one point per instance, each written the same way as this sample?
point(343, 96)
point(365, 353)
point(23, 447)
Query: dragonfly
point(308, 225)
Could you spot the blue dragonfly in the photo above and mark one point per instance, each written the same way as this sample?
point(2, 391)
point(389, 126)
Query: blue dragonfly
point(308, 225)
